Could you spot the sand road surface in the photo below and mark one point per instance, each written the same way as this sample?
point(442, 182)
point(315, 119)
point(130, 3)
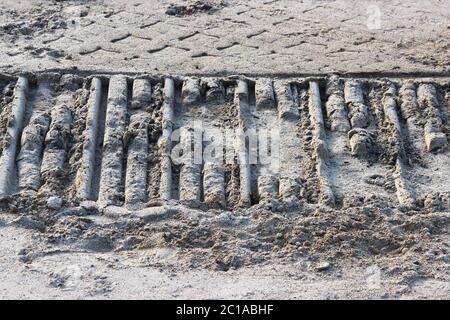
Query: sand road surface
point(224, 149)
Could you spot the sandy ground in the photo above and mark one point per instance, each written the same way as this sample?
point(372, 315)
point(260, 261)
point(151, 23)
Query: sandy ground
point(60, 275)
point(407, 259)
point(229, 36)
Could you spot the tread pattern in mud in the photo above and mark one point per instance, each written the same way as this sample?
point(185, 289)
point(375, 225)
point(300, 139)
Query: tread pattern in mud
point(335, 141)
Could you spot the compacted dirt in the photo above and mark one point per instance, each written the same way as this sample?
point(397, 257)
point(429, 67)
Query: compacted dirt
point(226, 36)
point(98, 98)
